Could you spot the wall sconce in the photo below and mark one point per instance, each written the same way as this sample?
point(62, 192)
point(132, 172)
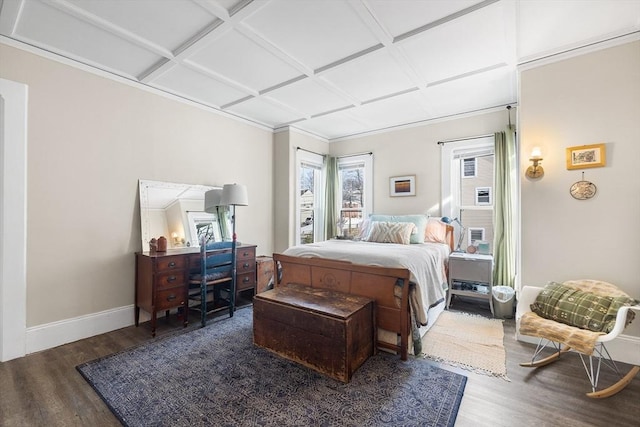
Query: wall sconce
point(535, 170)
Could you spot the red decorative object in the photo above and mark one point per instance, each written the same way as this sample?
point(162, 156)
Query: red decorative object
point(162, 244)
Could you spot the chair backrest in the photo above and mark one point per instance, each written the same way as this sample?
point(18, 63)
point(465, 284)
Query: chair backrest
point(215, 260)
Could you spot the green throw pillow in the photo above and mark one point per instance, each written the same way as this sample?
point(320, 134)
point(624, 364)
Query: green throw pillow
point(577, 308)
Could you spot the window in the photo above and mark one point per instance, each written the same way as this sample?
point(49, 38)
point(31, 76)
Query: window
point(483, 196)
point(309, 196)
point(475, 234)
point(469, 166)
point(356, 192)
point(467, 187)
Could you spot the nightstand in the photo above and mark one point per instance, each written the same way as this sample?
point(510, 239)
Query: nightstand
point(470, 275)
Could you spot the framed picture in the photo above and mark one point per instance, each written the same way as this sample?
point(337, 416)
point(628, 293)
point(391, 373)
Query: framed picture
point(402, 186)
point(586, 156)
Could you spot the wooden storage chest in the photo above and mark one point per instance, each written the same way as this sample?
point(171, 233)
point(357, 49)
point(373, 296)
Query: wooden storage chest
point(328, 331)
point(264, 273)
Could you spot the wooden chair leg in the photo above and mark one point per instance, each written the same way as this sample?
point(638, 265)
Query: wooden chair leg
point(617, 387)
point(547, 360)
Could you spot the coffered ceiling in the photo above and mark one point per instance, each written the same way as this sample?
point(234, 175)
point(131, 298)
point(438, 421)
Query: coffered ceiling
point(333, 68)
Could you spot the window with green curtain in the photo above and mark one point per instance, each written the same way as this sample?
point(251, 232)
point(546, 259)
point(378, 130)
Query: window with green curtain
point(504, 240)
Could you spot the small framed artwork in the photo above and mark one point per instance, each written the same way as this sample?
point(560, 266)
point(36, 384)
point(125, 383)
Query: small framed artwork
point(402, 186)
point(586, 156)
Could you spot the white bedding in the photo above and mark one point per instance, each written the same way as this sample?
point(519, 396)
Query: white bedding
point(425, 261)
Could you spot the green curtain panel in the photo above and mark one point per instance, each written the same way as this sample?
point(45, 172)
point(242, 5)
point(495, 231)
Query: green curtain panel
point(504, 241)
point(330, 199)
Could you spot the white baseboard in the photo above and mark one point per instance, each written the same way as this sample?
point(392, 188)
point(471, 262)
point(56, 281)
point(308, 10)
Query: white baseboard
point(625, 348)
point(53, 334)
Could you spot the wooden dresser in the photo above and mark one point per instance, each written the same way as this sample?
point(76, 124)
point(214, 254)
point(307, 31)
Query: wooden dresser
point(162, 279)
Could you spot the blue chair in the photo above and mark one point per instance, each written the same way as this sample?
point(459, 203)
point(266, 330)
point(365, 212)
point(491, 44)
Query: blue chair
point(211, 285)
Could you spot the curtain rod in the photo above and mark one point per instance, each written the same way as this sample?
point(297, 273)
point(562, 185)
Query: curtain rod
point(357, 154)
point(309, 151)
point(339, 157)
point(464, 139)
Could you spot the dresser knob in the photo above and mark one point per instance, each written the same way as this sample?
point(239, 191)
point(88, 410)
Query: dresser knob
point(171, 297)
point(245, 280)
point(245, 265)
point(171, 279)
point(172, 264)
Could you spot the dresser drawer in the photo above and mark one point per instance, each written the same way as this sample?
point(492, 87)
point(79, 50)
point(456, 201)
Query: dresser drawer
point(246, 281)
point(170, 280)
point(171, 263)
point(245, 265)
point(246, 254)
point(169, 298)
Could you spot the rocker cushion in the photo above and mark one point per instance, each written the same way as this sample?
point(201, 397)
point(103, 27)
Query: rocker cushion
point(573, 307)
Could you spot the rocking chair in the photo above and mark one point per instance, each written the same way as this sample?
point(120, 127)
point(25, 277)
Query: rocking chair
point(563, 337)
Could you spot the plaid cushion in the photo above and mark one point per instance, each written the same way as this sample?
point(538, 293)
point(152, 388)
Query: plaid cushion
point(573, 307)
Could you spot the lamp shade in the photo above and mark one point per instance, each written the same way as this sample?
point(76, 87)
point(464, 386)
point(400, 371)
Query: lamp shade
point(212, 199)
point(234, 194)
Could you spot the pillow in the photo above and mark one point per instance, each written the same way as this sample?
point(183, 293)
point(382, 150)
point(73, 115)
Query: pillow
point(364, 230)
point(419, 220)
point(573, 307)
point(436, 231)
point(391, 232)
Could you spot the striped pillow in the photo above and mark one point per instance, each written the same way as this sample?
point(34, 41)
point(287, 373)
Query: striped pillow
point(391, 232)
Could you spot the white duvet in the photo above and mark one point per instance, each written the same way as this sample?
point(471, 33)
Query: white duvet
point(425, 261)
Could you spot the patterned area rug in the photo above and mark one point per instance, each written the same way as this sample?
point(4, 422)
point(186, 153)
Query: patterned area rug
point(469, 342)
point(216, 376)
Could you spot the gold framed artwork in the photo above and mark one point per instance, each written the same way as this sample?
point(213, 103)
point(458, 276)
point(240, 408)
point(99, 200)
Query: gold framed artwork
point(400, 186)
point(586, 156)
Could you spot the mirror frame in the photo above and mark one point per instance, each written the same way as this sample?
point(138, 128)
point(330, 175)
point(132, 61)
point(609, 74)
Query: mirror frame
point(190, 219)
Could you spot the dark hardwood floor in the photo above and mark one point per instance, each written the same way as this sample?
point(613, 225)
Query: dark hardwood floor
point(44, 389)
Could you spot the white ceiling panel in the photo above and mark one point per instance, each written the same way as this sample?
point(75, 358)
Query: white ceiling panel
point(167, 23)
point(318, 99)
point(315, 33)
point(477, 92)
point(243, 61)
point(41, 24)
point(193, 85)
point(448, 50)
point(338, 124)
point(264, 112)
point(405, 108)
point(547, 27)
point(370, 77)
point(334, 68)
point(402, 16)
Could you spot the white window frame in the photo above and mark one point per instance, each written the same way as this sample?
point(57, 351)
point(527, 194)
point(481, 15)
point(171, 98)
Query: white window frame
point(451, 174)
point(488, 190)
point(367, 160)
point(305, 157)
point(475, 169)
point(476, 229)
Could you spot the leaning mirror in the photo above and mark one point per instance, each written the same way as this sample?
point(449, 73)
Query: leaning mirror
point(176, 211)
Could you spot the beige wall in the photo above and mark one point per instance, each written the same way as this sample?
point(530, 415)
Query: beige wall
point(90, 139)
point(593, 98)
point(286, 144)
point(415, 151)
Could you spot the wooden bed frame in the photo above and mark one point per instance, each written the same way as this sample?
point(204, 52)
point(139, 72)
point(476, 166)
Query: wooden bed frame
point(377, 283)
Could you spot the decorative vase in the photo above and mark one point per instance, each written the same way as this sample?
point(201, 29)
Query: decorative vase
point(153, 245)
point(162, 244)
